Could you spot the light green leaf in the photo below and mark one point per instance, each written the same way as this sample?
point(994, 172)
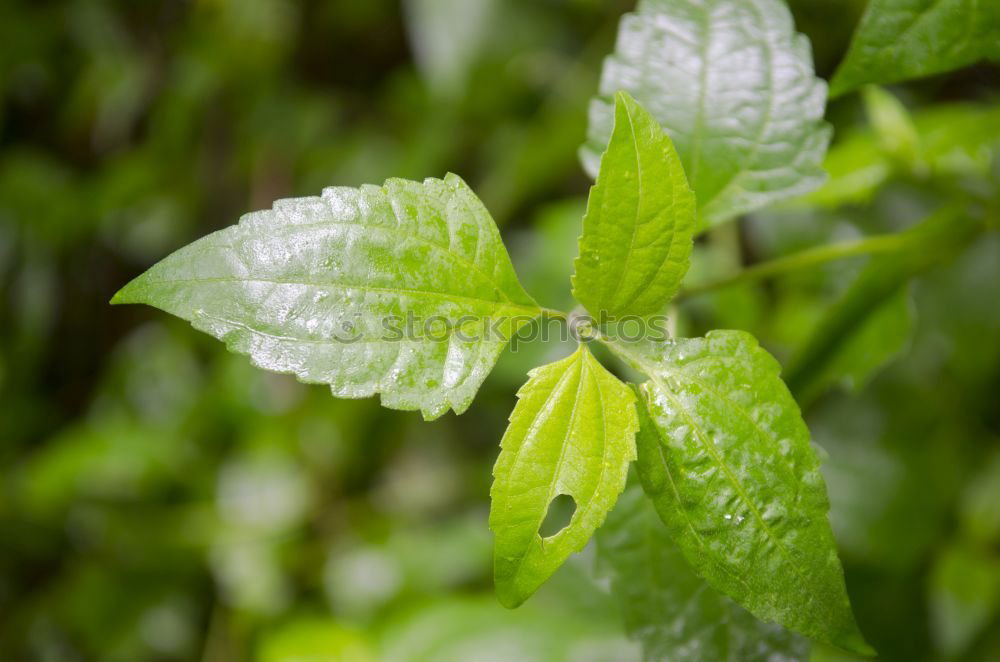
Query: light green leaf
point(727, 461)
point(959, 138)
point(326, 288)
point(964, 592)
point(893, 125)
point(571, 433)
point(640, 219)
point(313, 640)
point(668, 607)
point(856, 168)
point(874, 309)
point(733, 84)
point(902, 39)
point(951, 139)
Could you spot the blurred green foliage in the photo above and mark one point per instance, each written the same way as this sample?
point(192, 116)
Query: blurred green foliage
point(163, 500)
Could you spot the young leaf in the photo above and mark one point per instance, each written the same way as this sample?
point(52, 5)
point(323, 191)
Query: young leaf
point(727, 460)
point(639, 222)
point(733, 84)
point(668, 607)
point(572, 432)
point(404, 290)
point(901, 39)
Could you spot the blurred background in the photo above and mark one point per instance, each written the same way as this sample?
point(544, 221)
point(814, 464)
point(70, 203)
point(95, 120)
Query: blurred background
point(160, 499)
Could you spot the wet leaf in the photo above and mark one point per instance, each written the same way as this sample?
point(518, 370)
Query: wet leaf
point(640, 219)
point(572, 432)
point(733, 84)
point(404, 290)
point(671, 610)
point(728, 463)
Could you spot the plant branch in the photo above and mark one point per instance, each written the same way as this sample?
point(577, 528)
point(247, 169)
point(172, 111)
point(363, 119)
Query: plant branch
point(802, 260)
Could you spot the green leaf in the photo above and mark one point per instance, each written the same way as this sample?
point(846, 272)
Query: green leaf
point(326, 288)
point(668, 607)
point(726, 458)
point(950, 139)
point(902, 39)
point(640, 220)
point(313, 640)
point(875, 339)
point(571, 433)
point(872, 344)
point(893, 125)
point(964, 592)
point(874, 309)
point(979, 511)
point(856, 168)
point(733, 84)
point(959, 138)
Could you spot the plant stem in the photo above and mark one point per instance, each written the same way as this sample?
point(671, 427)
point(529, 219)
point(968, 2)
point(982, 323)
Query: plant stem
point(802, 260)
point(552, 312)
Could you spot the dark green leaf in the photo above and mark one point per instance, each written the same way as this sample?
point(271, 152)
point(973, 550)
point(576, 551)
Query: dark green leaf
point(964, 590)
point(640, 219)
point(728, 463)
point(980, 506)
point(671, 610)
point(901, 39)
point(326, 288)
point(733, 84)
point(841, 341)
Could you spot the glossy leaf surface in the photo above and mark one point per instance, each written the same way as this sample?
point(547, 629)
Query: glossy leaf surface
point(404, 290)
point(640, 220)
point(732, 82)
point(726, 458)
point(571, 433)
point(667, 607)
point(902, 39)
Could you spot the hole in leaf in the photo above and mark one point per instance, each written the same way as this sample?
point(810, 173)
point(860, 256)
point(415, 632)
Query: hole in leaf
point(557, 518)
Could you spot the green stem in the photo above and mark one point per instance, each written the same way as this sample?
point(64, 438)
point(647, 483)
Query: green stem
point(552, 312)
point(802, 260)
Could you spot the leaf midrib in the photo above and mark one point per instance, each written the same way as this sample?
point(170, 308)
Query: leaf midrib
point(654, 376)
point(494, 304)
point(399, 230)
point(710, 448)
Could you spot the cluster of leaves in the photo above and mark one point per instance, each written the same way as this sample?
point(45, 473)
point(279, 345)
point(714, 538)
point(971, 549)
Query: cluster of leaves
point(728, 500)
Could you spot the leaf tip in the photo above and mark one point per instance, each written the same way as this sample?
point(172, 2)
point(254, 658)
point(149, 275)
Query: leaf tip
point(508, 595)
point(855, 643)
point(126, 295)
point(623, 97)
